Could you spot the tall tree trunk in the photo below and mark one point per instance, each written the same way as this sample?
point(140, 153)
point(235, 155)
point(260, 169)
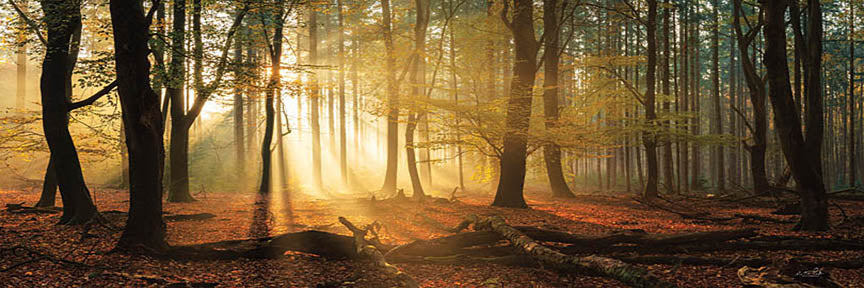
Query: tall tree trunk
point(552, 151)
point(275, 49)
point(717, 124)
point(142, 120)
point(804, 158)
point(757, 100)
point(389, 186)
point(512, 177)
point(418, 81)
point(649, 139)
point(343, 151)
point(696, 182)
point(355, 93)
point(78, 207)
point(314, 96)
point(734, 172)
point(851, 97)
point(178, 179)
point(21, 63)
point(240, 148)
point(668, 168)
point(683, 155)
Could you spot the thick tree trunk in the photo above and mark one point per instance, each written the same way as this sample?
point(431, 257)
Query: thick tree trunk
point(389, 186)
point(649, 139)
point(552, 151)
point(78, 207)
point(142, 121)
point(512, 177)
point(49, 186)
point(804, 158)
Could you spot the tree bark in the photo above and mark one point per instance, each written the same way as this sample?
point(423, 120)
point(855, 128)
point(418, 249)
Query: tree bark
point(757, 100)
point(804, 158)
point(178, 179)
point(239, 131)
point(314, 96)
point(142, 120)
point(418, 81)
point(668, 168)
point(552, 151)
point(78, 207)
point(649, 139)
point(273, 85)
point(853, 173)
point(512, 177)
point(389, 186)
point(343, 150)
point(717, 122)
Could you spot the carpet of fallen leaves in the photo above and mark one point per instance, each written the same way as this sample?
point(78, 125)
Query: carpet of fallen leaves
point(237, 218)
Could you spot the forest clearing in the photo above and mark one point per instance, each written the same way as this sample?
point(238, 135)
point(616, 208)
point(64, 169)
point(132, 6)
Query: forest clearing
point(431, 143)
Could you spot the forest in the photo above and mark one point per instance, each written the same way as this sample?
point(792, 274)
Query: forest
point(431, 143)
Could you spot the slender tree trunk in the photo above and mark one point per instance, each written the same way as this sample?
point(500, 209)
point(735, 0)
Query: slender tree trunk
point(552, 152)
point(851, 97)
point(757, 100)
point(389, 186)
point(649, 139)
point(343, 157)
point(178, 188)
point(418, 81)
point(239, 144)
point(273, 86)
point(684, 176)
point(696, 106)
point(512, 177)
point(21, 64)
point(717, 124)
point(314, 98)
point(142, 120)
point(668, 169)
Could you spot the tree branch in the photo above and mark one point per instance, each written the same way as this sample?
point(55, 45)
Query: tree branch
point(93, 98)
point(30, 23)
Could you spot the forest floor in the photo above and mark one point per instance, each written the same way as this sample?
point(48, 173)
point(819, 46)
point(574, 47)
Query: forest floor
point(236, 217)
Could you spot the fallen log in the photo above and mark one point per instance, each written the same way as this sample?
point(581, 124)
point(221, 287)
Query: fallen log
point(365, 250)
point(757, 244)
point(548, 257)
point(690, 260)
point(21, 209)
point(189, 217)
point(462, 259)
point(445, 246)
point(637, 238)
point(324, 244)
